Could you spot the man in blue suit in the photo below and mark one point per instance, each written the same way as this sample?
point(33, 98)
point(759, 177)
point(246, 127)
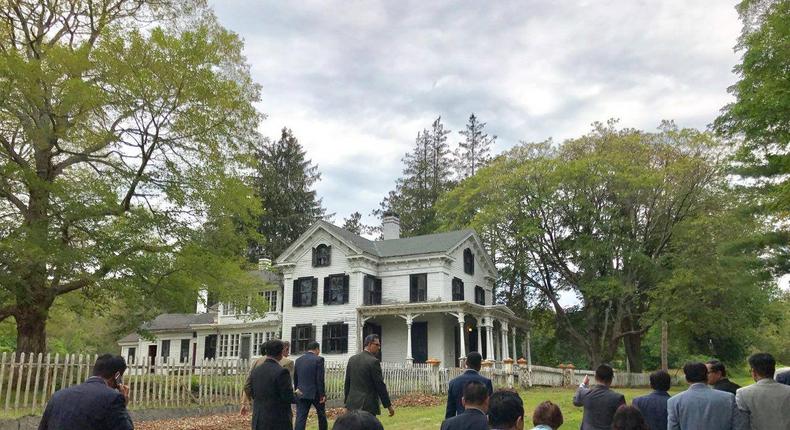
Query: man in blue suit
point(654, 405)
point(309, 382)
point(475, 400)
point(97, 404)
point(702, 407)
point(456, 389)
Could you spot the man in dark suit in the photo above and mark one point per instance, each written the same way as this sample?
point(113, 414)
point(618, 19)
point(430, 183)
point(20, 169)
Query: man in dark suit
point(475, 400)
point(97, 404)
point(654, 405)
point(456, 387)
point(600, 403)
point(309, 382)
point(717, 377)
point(364, 384)
point(271, 390)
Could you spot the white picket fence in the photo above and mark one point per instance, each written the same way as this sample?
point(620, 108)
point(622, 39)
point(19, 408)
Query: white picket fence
point(28, 381)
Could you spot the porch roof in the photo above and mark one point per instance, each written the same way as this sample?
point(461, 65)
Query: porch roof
point(500, 312)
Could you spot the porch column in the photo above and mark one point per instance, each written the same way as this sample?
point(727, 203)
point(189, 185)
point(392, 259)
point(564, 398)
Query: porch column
point(515, 351)
point(360, 332)
point(479, 335)
point(503, 328)
point(490, 340)
point(409, 319)
point(461, 334)
point(528, 352)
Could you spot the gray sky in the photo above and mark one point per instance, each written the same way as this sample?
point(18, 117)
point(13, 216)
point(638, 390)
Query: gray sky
point(357, 80)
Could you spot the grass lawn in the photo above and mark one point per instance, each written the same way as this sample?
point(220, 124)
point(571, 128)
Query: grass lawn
point(425, 418)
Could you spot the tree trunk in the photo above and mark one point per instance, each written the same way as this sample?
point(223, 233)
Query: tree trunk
point(31, 333)
point(664, 346)
point(633, 351)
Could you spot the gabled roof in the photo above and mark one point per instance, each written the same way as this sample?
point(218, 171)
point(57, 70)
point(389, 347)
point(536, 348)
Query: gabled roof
point(407, 246)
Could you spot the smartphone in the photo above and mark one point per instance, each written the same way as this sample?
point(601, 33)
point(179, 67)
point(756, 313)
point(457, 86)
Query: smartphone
point(118, 380)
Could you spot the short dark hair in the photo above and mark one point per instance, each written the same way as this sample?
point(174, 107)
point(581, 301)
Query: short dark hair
point(717, 366)
point(696, 372)
point(548, 414)
point(504, 409)
point(763, 364)
point(660, 380)
point(107, 365)
point(369, 339)
point(273, 347)
point(474, 360)
point(313, 345)
point(475, 393)
point(357, 419)
point(604, 373)
point(629, 418)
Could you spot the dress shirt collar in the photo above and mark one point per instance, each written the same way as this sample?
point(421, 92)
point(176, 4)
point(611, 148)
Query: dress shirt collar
point(766, 381)
point(699, 386)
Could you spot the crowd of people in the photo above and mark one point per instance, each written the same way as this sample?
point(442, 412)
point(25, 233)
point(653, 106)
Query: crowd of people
point(276, 382)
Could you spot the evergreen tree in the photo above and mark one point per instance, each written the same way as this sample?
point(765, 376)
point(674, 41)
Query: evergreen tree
point(354, 224)
point(474, 151)
point(284, 183)
point(426, 176)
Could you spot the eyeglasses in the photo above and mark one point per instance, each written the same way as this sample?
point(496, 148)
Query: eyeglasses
point(376, 344)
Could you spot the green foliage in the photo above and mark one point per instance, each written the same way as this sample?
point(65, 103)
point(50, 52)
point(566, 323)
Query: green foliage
point(611, 217)
point(122, 152)
point(284, 184)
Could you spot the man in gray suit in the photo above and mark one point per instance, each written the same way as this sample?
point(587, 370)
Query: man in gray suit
point(600, 403)
point(766, 404)
point(700, 406)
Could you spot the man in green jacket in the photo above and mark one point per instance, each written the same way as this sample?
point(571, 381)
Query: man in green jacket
point(364, 381)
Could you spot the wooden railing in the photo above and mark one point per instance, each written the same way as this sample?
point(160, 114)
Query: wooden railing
point(28, 381)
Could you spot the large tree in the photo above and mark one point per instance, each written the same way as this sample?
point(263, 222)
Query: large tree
point(474, 152)
point(596, 217)
point(758, 121)
point(427, 172)
point(125, 126)
point(284, 183)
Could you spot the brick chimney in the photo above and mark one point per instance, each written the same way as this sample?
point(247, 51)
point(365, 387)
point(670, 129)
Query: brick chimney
point(390, 226)
point(264, 264)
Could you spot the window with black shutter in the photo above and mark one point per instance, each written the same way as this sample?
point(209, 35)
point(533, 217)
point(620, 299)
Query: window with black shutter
point(371, 290)
point(480, 295)
point(301, 335)
point(418, 288)
point(334, 339)
point(336, 289)
point(305, 292)
point(469, 261)
point(458, 289)
point(322, 255)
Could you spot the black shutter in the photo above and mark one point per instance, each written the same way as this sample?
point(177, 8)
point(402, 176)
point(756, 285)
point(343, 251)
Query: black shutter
point(345, 289)
point(344, 339)
point(413, 288)
point(328, 255)
point(314, 299)
point(327, 284)
point(325, 338)
point(315, 259)
point(296, 301)
point(377, 294)
point(294, 339)
point(312, 333)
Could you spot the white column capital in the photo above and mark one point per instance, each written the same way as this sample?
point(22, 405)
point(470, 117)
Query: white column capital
point(503, 324)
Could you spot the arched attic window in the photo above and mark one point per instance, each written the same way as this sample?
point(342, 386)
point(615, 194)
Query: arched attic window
point(469, 261)
point(322, 255)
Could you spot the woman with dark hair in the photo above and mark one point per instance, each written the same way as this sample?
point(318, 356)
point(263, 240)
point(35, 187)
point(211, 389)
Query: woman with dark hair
point(629, 418)
point(357, 419)
point(547, 416)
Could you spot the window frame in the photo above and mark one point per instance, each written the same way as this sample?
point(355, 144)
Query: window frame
point(299, 344)
point(332, 284)
point(183, 358)
point(480, 295)
point(457, 289)
point(415, 290)
point(272, 303)
point(322, 255)
point(469, 261)
point(371, 290)
point(301, 283)
point(334, 338)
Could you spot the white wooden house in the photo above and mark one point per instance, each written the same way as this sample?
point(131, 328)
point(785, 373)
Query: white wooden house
point(426, 296)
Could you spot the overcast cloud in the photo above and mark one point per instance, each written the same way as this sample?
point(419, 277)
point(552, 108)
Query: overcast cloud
point(357, 80)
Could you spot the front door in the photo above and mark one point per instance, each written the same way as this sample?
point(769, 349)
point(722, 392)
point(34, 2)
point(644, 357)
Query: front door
point(244, 354)
point(419, 342)
point(372, 328)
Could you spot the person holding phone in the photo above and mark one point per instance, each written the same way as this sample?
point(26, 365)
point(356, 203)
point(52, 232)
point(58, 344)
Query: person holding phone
point(99, 403)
